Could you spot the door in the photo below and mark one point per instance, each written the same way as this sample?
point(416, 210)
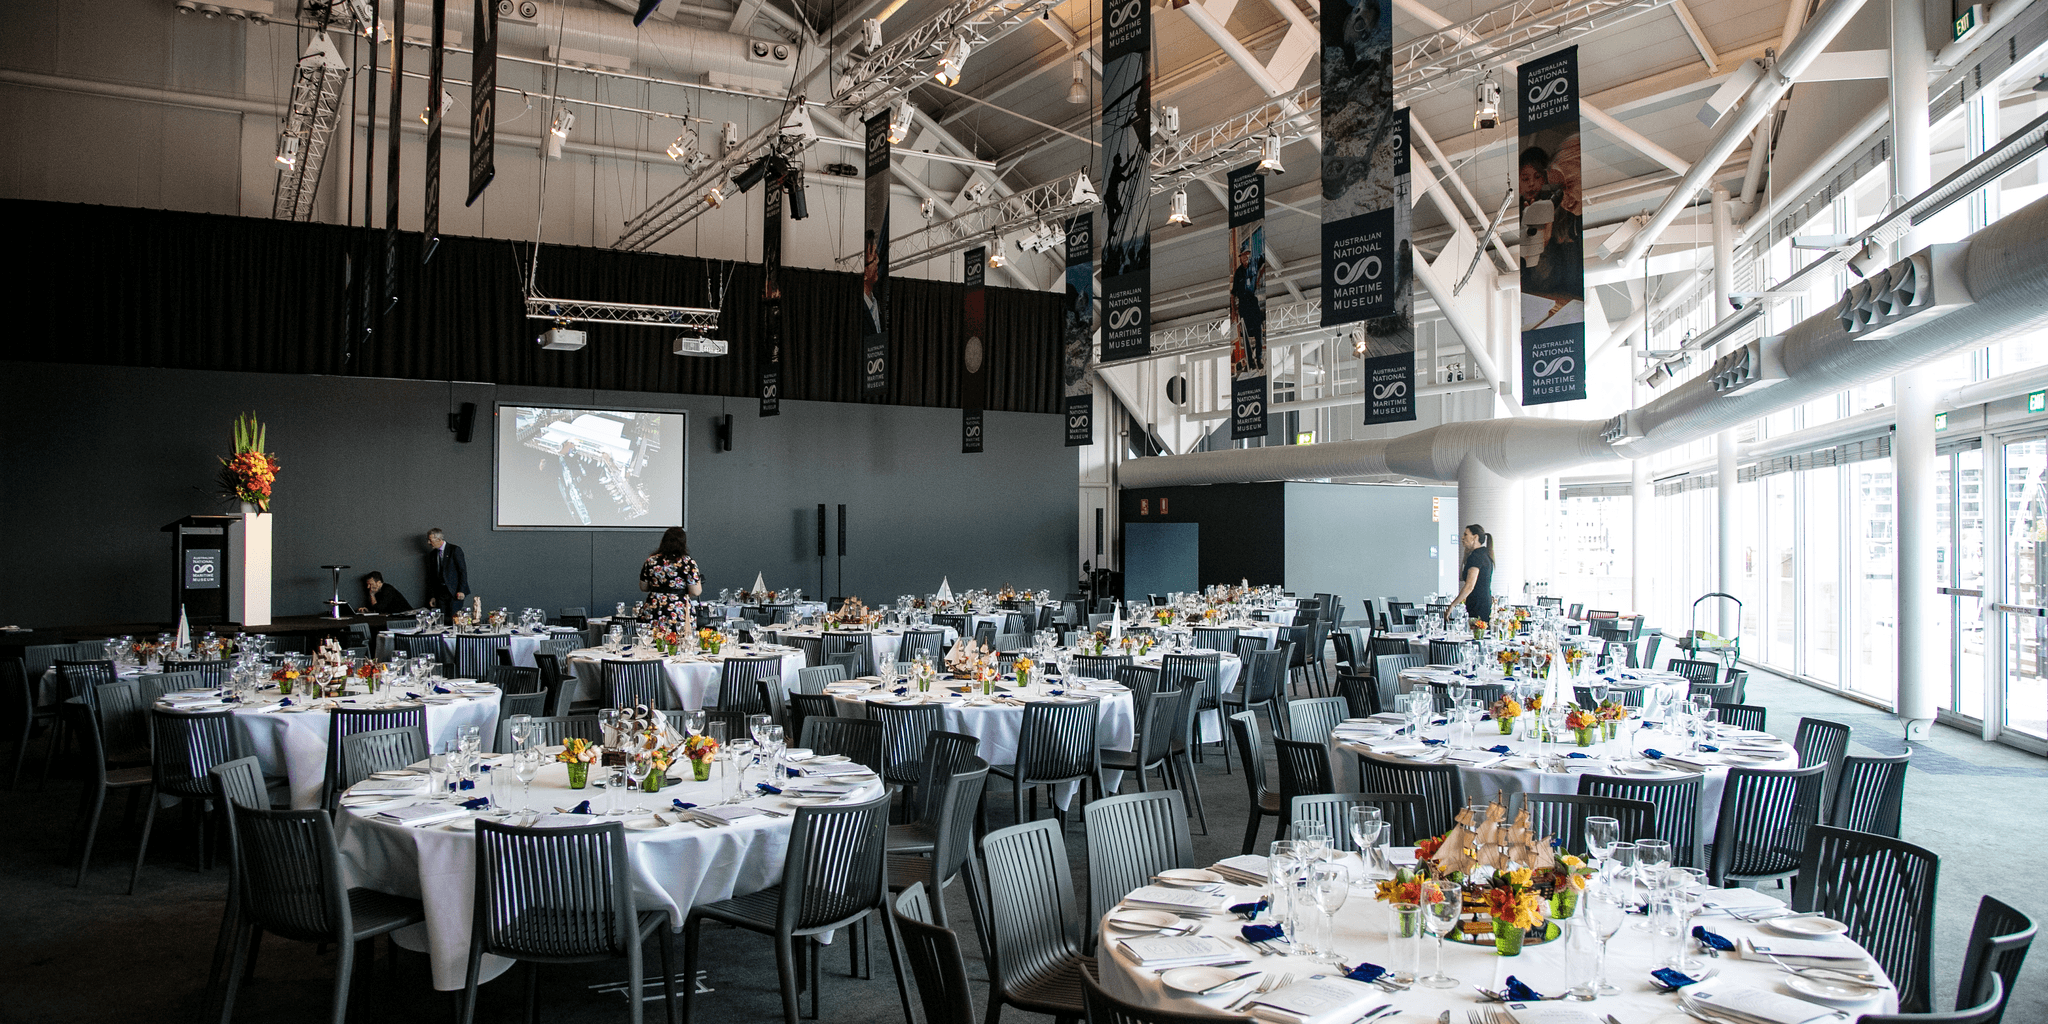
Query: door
point(2023, 615)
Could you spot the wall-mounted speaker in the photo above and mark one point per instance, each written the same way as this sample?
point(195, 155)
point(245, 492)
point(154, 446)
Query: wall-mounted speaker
point(842, 531)
point(1098, 533)
point(722, 431)
point(463, 422)
point(821, 532)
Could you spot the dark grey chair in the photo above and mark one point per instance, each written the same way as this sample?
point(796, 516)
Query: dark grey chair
point(626, 684)
point(1152, 745)
point(1304, 771)
point(380, 750)
point(1678, 809)
point(185, 747)
point(1032, 923)
point(1216, 638)
point(1397, 810)
point(936, 962)
point(1131, 838)
point(1761, 830)
point(953, 840)
point(1871, 793)
point(1440, 786)
point(1999, 939)
point(235, 783)
point(860, 645)
point(814, 679)
point(905, 727)
point(343, 722)
point(859, 740)
point(931, 642)
point(1743, 716)
point(1261, 685)
point(1562, 816)
point(1883, 889)
point(945, 755)
point(1263, 802)
point(1316, 718)
point(737, 694)
point(513, 678)
point(1820, 741)
point(1098, 666)
point(1361, 694)
point(99, 778)
point(1057, 743)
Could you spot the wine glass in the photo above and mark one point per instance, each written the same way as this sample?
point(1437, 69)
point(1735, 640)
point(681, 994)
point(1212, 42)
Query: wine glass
point(1686, 890)
point(1365, 822)
point(635, 770)
point(1440, 912)
point(756, 723)
point(1601, 835)
point(1606, 916)
point(521, 727)
point(526, 765)
point(1621, 863)
point(693, 722)
point(1310, 837)
point(1329, 885)
point(1652, 857)
point(1281, 865)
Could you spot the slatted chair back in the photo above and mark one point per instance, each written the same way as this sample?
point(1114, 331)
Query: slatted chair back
point(781, 612)
point(1698, 671)
point(550, 732)
point(575, 618)
point(211, 673)
point(1360, 693)
point(1158, 716)
point(626, 684)
point(186, 746)
point(860, 645)
point(532, 705)
point(1333, 810)
point(1246, 646)
point(769, 693)
point(1099, 666)
point(416, 646)
point(1999, 939)
point(1440, 786)
point(1576, 611)
point(834, 866)
point(985, 634)
point(1870, 794)
point(858, 739)
point(1765, 814)
point(1216, 638)
point(1678, 809)
point(1562, 816)
point(737, 693)
point(82, 678)
point(1446, 652)
point(961, 625)
point(1143, 681)
point(936, 961)
point(812, 646)
point(1263, 676)
point(1304, 768)
point(1388, 668)
point(1207, 666)
point(1033, 921)
point(1883, 889)
point(803, 707)
point(1013, 622)
point(344, 722)
point(814, 678)
point(1345, 643)
point(380, 750)
point(1388, 647)
point(1315, 718)
point(1819, 740)
point(1743, 716)
point(154, 685)
point(1130, 839)
point(946, 754)
point(906, 727)
point(931, 642)
point(1302, 640)
point(958, 797)
point(558, 685)
point(292, 881)
point(1738, 685)
point(37, 659)
point(1057, 742)
point(1485, 693)
point(557, 894)
point(513, 678)
point(240, 780)
point(1244, 728)
point(124, 720)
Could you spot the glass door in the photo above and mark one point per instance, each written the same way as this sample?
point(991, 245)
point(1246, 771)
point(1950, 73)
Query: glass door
point(2024, 612)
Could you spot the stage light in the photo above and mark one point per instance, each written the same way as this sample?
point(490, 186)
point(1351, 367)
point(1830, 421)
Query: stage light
point(799, 204)
point(1172, 118)
point(750, 177)
point(1624, 233)
point(976, 192)
point(1870, 258)
point(427, 112)
point(565, 119)
point(953, 63)
point(797, 123)
point(287, 151)
point(1078, 92)
point(1486, 104)
point(1084, 191)
point(1269, 156)
point(715, 198)
point(683, 148)
point(1178, 212)
point(871, 33)
point(995, 255)
point(927, 209)
point(899, 125)
point(731, 134)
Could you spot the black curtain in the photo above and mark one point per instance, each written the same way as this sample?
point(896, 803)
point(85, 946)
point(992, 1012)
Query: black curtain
point(129, 287)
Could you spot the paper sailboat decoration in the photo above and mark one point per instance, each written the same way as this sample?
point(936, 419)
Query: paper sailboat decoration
point(1116, 623)
point(945, 589)
point(760, 585)
point(184, 639)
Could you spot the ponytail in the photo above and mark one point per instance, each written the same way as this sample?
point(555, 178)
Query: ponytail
point(1485, 538)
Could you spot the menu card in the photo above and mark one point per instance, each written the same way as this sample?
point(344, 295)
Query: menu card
point(1246, 869)
point(1756, 1005)
point(1319, 999)
point(1166, 897)
point(1549, 1013)
point(1167, 951)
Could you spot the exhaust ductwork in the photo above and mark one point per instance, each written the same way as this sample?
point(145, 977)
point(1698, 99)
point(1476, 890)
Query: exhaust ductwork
point(658, 44)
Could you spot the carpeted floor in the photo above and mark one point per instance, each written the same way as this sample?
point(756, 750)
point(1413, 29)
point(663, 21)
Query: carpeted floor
point(94, 954)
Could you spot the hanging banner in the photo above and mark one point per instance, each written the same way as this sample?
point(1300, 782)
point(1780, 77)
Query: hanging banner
point(770, 354)
point(1366, 276)
point(974, 354)
point(1077, 375)
point(874, 280)
point(1553, 239)
point(1247, 303)
point(436, 57)
point(483, 98)
point(390, 296)
point(1127, 181)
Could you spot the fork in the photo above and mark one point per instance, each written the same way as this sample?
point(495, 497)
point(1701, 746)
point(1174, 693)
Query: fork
point(1265, 985)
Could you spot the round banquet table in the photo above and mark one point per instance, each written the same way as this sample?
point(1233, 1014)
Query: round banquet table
point(1523, 770)
point(1209, 725)
point(1361, 937)
point(523, 644)
point(676, 865)
point(292, 740)
point(692, 677)
point(732, 610)
point(887, 639)
point(1657, 686)
point(996, 722)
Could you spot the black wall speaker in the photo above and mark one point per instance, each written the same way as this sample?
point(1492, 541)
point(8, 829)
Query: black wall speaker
point(463, 422)
point(722, 427)
point(821, 530)
point(842, 531)
point(1098, 533)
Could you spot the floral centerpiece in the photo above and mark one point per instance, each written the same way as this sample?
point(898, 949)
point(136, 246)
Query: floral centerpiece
point(1611, 714)
point(710, 640)
point(1505, 711)
point(1163, 615)
point(369, 672)
point(668, 642)
point(285, 676)
point(1516, 907)
point(1510, 906)
point(579, 754)
point(248, 472)
point(1096, 642)
point(700, 749)
point(1417, 885)
point(1573, 656)
point(1023, 669)
point(1582, 723)
point(1568, 878)
point(1508, 656)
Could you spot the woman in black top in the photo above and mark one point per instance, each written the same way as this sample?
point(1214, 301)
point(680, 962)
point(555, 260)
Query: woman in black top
point(384, 598)
point(1477, 588)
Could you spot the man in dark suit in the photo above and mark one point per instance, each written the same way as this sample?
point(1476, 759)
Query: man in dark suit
point(447, 572)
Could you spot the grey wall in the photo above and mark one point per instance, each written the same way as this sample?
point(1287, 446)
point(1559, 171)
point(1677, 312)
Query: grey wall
point(1364, 541)
point(97, 459)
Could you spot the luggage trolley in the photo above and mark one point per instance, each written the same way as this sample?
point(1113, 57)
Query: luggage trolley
point(1701, 644)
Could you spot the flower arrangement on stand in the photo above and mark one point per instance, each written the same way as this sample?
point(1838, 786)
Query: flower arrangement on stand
point(579, 754)
point(701, 751)
point(247, 473)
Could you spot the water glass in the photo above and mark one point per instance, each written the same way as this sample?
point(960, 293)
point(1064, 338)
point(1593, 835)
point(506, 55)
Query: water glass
point(1601, 835)
point(1329, 885)
point(1281, 864)
point(1440, 917)
point(526, 765)
point(521, 729)
point(1685, 888)
point(693, 722)
point(439, 775)
point(1404, 940)
point(1605, 916)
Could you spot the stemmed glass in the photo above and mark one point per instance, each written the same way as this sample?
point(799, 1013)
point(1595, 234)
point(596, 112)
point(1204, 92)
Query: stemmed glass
point(526, 765)
point(636, 770)
point(1620, 869)
point(1440, 911)
point(1281, 866)
point(1329, 885)
point(1705, 718)
point(1606, 916)
point(1686, 889)
point(1601, 835)
point(1365, 823)
point(693, 722)
point(521, 728)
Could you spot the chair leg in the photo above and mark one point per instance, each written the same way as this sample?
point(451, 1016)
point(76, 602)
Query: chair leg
point(97, 802)
point(895, 940)
point(142, 849)
point(344, 970)
point(1251, 830)
point(223, 948)
point(1194, 787)
point(533, 992)
point(636, 981)
point(785, 967)
point(666, 939)
point(238, 963)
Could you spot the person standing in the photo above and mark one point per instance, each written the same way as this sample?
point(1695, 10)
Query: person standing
point(1477, 587)
point(671, 577)
point(447, 572)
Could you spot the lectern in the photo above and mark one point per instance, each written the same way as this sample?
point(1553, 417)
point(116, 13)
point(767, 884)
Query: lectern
point(202, 573)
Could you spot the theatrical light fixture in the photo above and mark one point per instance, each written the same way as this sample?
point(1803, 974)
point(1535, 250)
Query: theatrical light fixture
point(927, 209)
point(1084, 191)
point(683, 147)
point(751, 176)
point(871, 34)
point(953, 63)
point(797, 123)
point(975, 192)
point(1870, 257)
point(565, 119)
point(1078, 92)
point(1171, 115)
point(1358, 341)
point(715, 198)
point(1623, 233)
point(699, 345)
point(287, 151)
point(1269, 156)
point(899, 125)
point(793, 184)
point(427, 112)
point(731, 134)
point(995, 254)
point(1486, 104)
point(1178, 210)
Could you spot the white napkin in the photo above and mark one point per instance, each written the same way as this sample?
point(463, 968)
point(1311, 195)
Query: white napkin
point(1818, 949)
point(728, 815)
point(1167, 897)
point(380, 787)
point(1549, 1013)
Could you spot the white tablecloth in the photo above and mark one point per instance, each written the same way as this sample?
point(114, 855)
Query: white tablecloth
point(732, 611)
point(1209, 725)
point(523, 644)
point(1657, 686)
point(887, 639)
point(674, 868)
point(692, 678)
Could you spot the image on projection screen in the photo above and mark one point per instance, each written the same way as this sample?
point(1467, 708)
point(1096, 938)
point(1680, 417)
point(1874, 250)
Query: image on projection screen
point(589, 468)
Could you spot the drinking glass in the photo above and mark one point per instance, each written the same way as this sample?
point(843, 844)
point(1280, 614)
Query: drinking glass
point(1364, 821)
point(1652, 857)
point(526, 765)
point(756, 723)
point(636, 770)
point(1281, 864)
point(439, 767)
point(693, 722)
point(1685, 888)
point(1601, 835)
point(1330, 886)
point(1440, 917)
point(1706, 717)
point(1606, 916)
point(521, 727)
point(1404, 940)
point(471, 738)
point(1310, 837)
point(615, 788)
point(1620, 866)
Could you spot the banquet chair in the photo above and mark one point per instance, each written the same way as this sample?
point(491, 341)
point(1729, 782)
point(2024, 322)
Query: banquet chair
point(1883, 889)
point(293, 887)
point(857, 739)
point(1361, 694)
point(1152, 745)
point(930, 641)
point(512, 678)
point(562, 895)
point(21, 715)
point(1183, 731)
point(574, 618)
point(1304, 771)
point(1760, 832)
point(1262, 802)
point(814, 678)
point(1096, 620)
point(124, 722)
point(860, 645)
point(100, 779)
point(737, 693)
point(985, 634)
point(1387, 671)
point(560, 687)
point(1013, 622)
point(905, 727)
point(1303, 649)
point(832, 877)
point(532, 705)
point(1678, 809)
point(1743, 716)
point(849, 661)
point(1056, 743)
point(768, 694)
point(1870, 794)
point(1009, 642)
point(1990, 1009)
point(936, 963)
point(1316, 718)
point(780, 613)
point(1130, 839)
point(1397, 810)
point(1562, 817)
point(1446, 652)
point(1697, 671)
point(1033, 925)
point(81, 678)
point(1098, 666)
point(1207, 668)
point(474, 655)
point(943, 756)
point(1997, 949)
point(1387, 646)
point(1400, 613)
point(1141, 680)
point(236, 782)
point(1216, 638)
point(1738, 685)
point(803, 707)
point(1246, 646)
point(343, 722)
point(422, 647)
point(152, 686)
point(952, 849)
point(184, 748)
point(1345, 643)
point(385, 750)
point(1261, 683)
point(1440, 786)
point(1820, 741)
point(211, 673)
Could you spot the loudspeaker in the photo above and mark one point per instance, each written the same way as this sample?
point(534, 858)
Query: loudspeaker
point(463, 422)
point(722, 432)
point(842, 531)
point(1098, 533)
point(821, 532)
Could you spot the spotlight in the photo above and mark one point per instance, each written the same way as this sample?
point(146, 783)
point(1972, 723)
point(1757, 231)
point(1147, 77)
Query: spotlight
point(731, 133)
point(1172, 117)
point(715, 198)
point(1084, 191)
point(953, 63)
point(1178, 213)
point(699, 345)
point(1486, 104)
point(975, 192)
point(871, 33)
point(1269, 156)
point(683, 148)
point(699, 160)
point(427, 112)
point(927, 209)
point(1624, 233)
point(1868, 259)
point(995, 255)
point(2041, 84)
point(1078, 92)
point(793, 184)
point(287, 151)
point(899, 125)
point(750, 177)
point(565, 119)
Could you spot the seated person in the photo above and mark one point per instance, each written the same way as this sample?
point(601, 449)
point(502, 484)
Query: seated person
point(384, 598)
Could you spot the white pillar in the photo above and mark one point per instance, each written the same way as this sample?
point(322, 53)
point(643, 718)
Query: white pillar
point(249, 569)
point(1639, 495)
point(1914, 392)
point(1495, 503)
point(1724, 442)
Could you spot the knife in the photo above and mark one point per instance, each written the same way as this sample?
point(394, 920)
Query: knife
point(1225, 983)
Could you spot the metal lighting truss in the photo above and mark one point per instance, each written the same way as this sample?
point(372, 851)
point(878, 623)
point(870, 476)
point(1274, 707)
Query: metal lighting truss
point(309, 125)
point(990, 219)
point(912, 57)
point(1502, 36)
point(562, 311)
point(690, 199)
point(1284, 320)
point(1293, 117)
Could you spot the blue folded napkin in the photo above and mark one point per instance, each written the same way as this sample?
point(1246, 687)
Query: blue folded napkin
point(231, 699)
point(1486, 716)
point(1432, 743)
point(1577, 754)
point(477, 804)
point(1501, 748)
point(1520, 993)
point(1440, 721)
point(1262, 932)
point(463, 784)
point(902, 690)
point(582, 808)
point(1367, 973)
point(1712, 940)
point(285, 703)
point(1654, 754)
point(1248, 909)
point(767, 787)
point(1626, 675)
point(793, 773)
point(682, 805)
point(1055, 693)
point(1710, 748)
point(413, 695)
point(1673, 979)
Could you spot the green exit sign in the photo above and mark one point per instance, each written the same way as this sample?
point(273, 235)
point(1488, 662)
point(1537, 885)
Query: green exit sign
point(1941, 421)
point(1305, 437)
point(2037, 401)
point(1969, 21)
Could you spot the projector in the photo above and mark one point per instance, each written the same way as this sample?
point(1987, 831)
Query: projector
point(562, 339)
point(692, 345)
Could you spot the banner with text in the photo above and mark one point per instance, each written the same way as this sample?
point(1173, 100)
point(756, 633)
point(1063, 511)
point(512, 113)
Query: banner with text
point(769, 356)
point(1553, 237)
point(437, 56)
point(483, 98)
point(874, 278)
point(391, 163)
point(1127, 180)
point(1247, 303)
point(974, 355)
point(1077, 373)
point(1367, 276)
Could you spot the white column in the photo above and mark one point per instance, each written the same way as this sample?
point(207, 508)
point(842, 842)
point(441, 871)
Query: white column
point(1639, 496)
point(249, 569)
point(1495, 503)
point(1724, 442)
point(1914, 393)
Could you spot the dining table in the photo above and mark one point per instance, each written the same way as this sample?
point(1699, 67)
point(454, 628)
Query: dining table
point(394, 838)
point(1655, 687)
point(523, 644)
point(693, 676)
point(1209, 724)
point(887, 639)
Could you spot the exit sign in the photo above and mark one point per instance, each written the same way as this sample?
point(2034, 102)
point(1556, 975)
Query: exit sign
point(1969, 21)
point(1941, 421)
point(1305, 437)
point(2037, 401)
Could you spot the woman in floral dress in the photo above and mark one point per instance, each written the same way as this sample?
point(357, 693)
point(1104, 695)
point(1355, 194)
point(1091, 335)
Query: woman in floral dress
point(671, 577)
